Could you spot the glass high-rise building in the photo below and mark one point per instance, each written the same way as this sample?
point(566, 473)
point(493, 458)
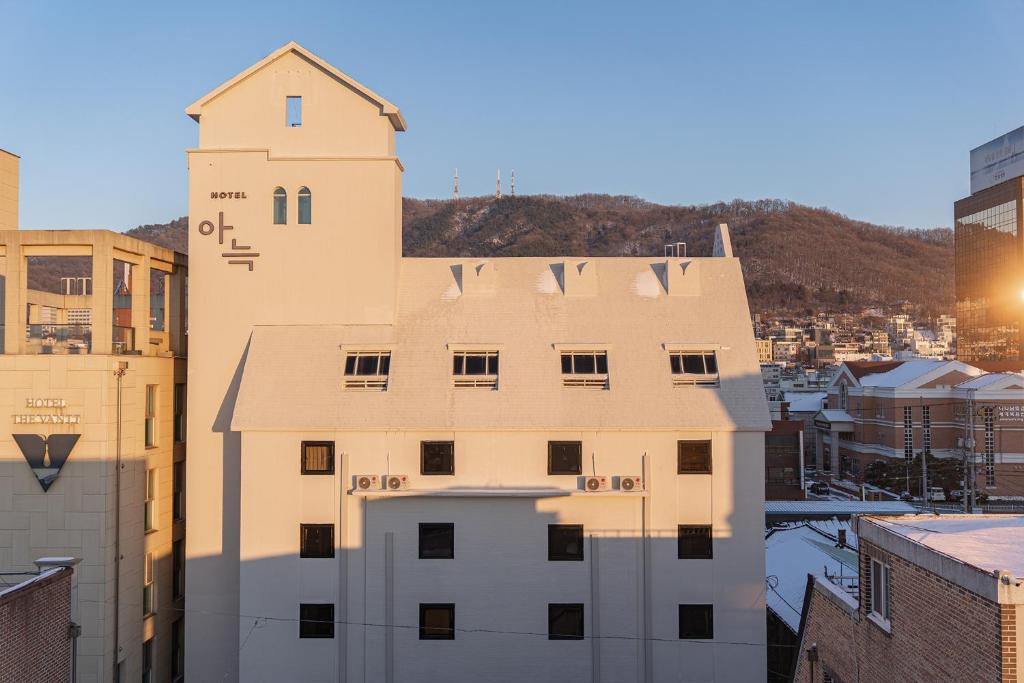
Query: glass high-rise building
point(989, 266)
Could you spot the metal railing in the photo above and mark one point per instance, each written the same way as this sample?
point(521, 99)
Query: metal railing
point(46, 338)
point(122, 339)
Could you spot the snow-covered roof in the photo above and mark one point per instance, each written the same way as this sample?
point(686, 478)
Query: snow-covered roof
point(836, 415)
point(903, 373)
point(986, 542)
point(798, 549)
point(991, 378)
point(804, 402)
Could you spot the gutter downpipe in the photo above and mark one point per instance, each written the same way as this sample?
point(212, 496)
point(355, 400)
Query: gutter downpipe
point(119, 373)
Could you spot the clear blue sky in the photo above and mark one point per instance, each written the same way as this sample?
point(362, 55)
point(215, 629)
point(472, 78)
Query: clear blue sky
point(869, 108)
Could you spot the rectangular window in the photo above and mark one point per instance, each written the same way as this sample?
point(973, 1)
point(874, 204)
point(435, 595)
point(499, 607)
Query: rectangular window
point(880, 601)
point(694, 457)
point(696, 622)
point(908, 433)
point(178, 650)
point(318, 457)
point(475, 369)
point(178, 569)
point(926, 429)
point(316, 540)
point(694, 542)
point(565, 621)
point(367, 370)
point(437, 457)
point(316, 620)
point(178, 490)
point(437, 621)
point(147, 661)
point(179, 413)
point(150, 415)
point(565, 457)
point(148, 586)
point(694, 368)
point(990, 447)
point(149, 512)
point(437, 541)
point(294, 111)
point(585, 369)
point(565, 542)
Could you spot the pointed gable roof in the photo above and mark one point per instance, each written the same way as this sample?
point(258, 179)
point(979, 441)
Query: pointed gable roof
point(386, 108)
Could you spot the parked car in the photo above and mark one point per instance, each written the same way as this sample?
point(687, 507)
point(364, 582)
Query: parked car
point(819, 488)
point(906, 497)
point(956, 495)
point(936, 494)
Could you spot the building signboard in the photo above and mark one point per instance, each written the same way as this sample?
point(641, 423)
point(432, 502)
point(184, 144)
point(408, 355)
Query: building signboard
point(998, 160)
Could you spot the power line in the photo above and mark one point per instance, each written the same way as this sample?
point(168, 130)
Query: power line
point(457, 630)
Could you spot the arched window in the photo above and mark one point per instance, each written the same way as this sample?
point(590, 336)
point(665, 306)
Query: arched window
point(280, 206)
point(305, 206)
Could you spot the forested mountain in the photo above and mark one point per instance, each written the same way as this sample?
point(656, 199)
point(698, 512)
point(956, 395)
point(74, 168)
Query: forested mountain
point(795, 258)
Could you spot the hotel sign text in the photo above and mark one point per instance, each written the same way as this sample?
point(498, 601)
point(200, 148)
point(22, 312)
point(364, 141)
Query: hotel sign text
point(58, 417)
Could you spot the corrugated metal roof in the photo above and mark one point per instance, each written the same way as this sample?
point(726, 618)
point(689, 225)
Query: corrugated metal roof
point(838, 507)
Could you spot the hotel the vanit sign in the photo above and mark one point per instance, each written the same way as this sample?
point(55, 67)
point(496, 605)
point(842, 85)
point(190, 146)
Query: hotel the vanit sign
point(46, 454)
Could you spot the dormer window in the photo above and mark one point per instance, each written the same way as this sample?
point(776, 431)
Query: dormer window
point(475, 369)
point(693, 368)
point(585, 369)
point(293, 111)
point(367, 370)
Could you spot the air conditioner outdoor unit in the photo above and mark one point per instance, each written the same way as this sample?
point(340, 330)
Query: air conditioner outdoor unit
point(596, 484)
point(367, 482)
point(396, 482)
point(630, 483)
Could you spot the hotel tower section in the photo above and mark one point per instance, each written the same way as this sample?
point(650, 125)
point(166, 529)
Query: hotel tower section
point(92, 454)
point(412, 469)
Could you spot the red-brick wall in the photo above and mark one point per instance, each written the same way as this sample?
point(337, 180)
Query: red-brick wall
point(939, 631)
point(35, 646)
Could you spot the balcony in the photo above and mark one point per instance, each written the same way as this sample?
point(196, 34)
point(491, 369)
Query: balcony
point(46, 338)
point(123, 339)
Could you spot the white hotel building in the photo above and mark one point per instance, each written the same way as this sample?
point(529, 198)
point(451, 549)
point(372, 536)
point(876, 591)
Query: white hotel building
point(390, 457)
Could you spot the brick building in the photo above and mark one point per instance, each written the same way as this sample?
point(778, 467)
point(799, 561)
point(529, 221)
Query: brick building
point(783, 461)
point(938, 599)
point(36, 624)
point(891, 412)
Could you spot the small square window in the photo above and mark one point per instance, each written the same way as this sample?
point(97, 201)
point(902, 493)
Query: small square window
point(316, 620)
point(694, 457)
point(316, 540)
point(318, 457)
point(696, 622)
point(565, 542)
point(694, 542)
point(437, 541)
point(565, 621)
point(565, 457)
point(437, 621)
point(437, 457)
point(294, 111)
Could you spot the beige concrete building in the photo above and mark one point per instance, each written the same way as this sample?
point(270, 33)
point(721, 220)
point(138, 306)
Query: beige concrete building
point(373, 497)
point(8, 190)
point(75, 399)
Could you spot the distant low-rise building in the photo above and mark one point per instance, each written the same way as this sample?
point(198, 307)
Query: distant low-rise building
point(784, 461)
